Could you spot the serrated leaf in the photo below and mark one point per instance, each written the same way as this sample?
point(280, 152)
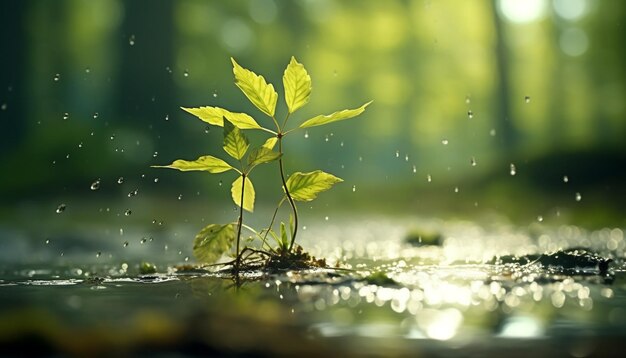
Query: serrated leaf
point(306, 186)
point(270, 142)
point(297, 84)
point(248, 193)
point(236, 144)
point(213, 241)
point(205, 163)
point(215, 116)
point(337, 116)
point(258, 91)
point(262, 155)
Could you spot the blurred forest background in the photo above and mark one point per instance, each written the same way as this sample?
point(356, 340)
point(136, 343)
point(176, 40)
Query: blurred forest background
point(516, 107)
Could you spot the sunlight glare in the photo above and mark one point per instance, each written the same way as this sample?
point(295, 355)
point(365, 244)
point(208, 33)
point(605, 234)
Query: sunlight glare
point(522, 11)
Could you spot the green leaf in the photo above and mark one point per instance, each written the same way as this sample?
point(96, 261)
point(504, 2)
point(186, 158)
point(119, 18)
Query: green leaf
point(297, 83)
point(262, 155)
point(270, 142)
point(337, 116)
point(259, 92)
point(283, 235)
point(235, 142)
point(248, 193)
point(213, 241)
point(215, 116)
point(205, 163)
point(306, 186)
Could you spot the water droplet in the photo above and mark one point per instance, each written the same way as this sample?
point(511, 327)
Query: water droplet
point(304, 227)
point(66, 115)
point(180, 196)
point(306, 134)
point(131, 40)
point(167, 117)
point(326, 218)
point(429, 178)
point(540, 218)
point(470, 114)
point(168, 69)
point(125, 244)
point(112, 136)
point(565, 179)
point(360, 159)
point(4, 107)
point(186, 258)
point(61, 208)
point(128, 212)
point(215, 94)
point(444, 142)
point(80, 145)
point(143, 240)
point(120, 180)
point(87, 70)
point(95, 185)
point(397, 154)
point(468, 99)
point(151, 239)
point(166, 248)
point(133, 193)
point(512, 169)
point(473, 161)
point(456, 189)
point(47, 241)
point(527, 99)
point(98, 254)
point(406, 158)
point(326, 138)
point(57, 77)
point(578, 197)
point(341, 144)
point(353, 188)
point(155, 154)
point(219, 183)
point(207, 129)
point(186, 73)
point(414, 169)
point(156, 180)
point(492, 132)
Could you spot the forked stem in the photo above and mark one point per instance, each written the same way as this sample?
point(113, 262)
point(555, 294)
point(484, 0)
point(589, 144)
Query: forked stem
point(289, 198)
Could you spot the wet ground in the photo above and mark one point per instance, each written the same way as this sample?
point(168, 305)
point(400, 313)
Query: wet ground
point(486, 288)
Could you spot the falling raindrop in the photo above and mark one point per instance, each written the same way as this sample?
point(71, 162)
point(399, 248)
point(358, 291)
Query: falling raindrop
point(95, 185)
point(540, 218)
point(219, 183)
point(180, 196)
point(304, 227)
point(47, 241)
point(143, 240)
point(128, 212)
point(414, 169)
point(60, 208)
point(470, 114)
point(98, 254)
point(4, 107)
point(456, 189)
point(57, 77)
point(353, 188)
point(429, 178)
point(66, 115)
point(215, 94)
point(112, 136)
point(565, 179)
point(492, 132)
point(207, 129)
point(131, 40)
point(168, 69)
point(467, 99)
point(360, 159)
point(326, 218)
point(527, 99)
point(186, 258)
point(444, 142)
point(133, 193)
point(125, 244)
point(512, 169)
point(397, 154)
point(326, 138)
point(186, 73)
point(156, 180)
point(473, 161)
point(95, 115)
point(155, 154)
point(87, 70)
point(578, 197)
point(306, 134)
point(406, 158)
point(120, 180)
point(167, 117)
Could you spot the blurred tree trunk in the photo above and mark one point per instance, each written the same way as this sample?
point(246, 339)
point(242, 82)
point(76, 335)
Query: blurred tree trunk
point(12, 86)
point(504, 123)
point(146, 92)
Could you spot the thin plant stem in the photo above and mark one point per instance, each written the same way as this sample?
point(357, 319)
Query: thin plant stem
point(289, 198)
point(280, 203)
point(240, 222)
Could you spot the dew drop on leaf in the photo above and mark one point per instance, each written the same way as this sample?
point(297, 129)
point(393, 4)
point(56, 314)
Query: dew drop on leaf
point(512, 169)
point(60, 208)
point(578, 197)
point(95, 185)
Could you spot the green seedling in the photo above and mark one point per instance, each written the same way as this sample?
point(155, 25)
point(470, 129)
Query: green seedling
point(216, 239)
